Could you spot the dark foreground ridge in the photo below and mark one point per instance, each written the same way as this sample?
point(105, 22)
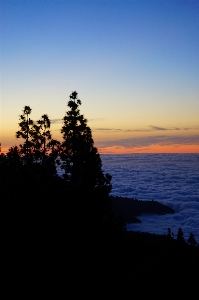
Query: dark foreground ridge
point(51, 242)
point(130, 208)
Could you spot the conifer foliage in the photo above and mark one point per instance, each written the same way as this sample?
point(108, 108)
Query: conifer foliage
point(25, 132)
point(82, 162)
point(42, 134)
point(39, 151)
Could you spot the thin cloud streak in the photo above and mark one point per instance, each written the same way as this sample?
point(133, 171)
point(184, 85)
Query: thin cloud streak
point(96, 119)
point(151, 140)
point(56, 121)
point(164, 129)
point(158, 128)
point(151, 128)
point(107, 129)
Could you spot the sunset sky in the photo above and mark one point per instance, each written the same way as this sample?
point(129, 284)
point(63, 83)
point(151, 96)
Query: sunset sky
point(134, 64)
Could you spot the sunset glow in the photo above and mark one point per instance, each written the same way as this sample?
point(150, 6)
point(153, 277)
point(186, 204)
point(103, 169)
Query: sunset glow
point(134, 64)
point(151, 149)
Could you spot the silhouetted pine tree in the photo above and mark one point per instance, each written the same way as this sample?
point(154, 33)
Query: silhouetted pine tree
point(25, 132)
point(41, 135)
point(191, 240)
point(180, 235)
point(169, 233)
point(45, 153)
point(82, 162)
point(39, 151)
point(88, 184)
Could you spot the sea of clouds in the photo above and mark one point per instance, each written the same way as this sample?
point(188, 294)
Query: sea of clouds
point(171, 179)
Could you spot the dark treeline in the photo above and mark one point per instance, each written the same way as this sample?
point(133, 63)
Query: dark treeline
point(62, 234)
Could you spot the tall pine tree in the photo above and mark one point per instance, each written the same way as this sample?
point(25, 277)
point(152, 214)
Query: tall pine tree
point(82, 162)
point(88, 185)
point(25, 132)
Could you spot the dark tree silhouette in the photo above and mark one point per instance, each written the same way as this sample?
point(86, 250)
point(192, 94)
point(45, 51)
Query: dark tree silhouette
point(42, 134)
point(180, 235)
point(39, 151)
point(88, 185)
point(191, 240)
point(82, 162)
point(169, 234)
point(11, 165)
point(25, 132)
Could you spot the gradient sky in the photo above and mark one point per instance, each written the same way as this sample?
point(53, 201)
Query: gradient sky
point(134, 64)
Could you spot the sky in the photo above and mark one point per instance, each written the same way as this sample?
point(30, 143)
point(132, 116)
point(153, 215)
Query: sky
point(134, 64)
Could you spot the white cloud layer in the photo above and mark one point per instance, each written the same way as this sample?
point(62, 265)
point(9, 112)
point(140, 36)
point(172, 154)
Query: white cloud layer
point(171, 179)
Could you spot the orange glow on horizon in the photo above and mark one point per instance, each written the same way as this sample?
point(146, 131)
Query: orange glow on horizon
point(150, 149)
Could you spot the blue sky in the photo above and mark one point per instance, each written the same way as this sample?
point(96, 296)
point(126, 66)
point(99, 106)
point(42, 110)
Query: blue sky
point(134, 64)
